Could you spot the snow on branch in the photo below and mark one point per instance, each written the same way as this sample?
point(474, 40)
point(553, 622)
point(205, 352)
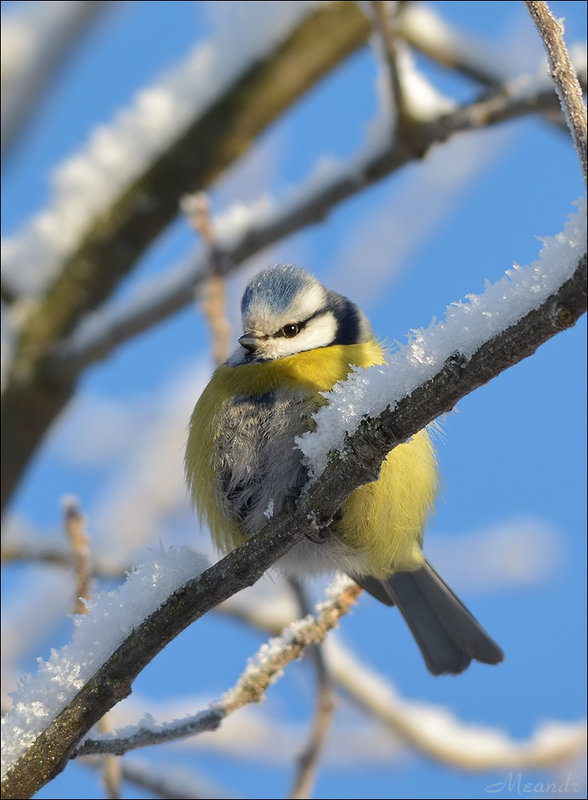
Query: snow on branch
point(242, 231)
point(44, 699)
point(264, 669)
point(424, 29)
point(434, 731)
point(96, 636)
point(543, 300)
point(427, 728)
point(445, 351)
point(36, 37)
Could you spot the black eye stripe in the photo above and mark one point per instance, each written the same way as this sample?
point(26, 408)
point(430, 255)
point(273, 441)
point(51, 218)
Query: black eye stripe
point(300, 325)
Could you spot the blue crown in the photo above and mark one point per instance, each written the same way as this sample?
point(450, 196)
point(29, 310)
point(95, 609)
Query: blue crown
point(276, 287)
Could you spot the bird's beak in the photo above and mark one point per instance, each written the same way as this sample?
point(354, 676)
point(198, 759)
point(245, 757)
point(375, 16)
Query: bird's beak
point(249, 342)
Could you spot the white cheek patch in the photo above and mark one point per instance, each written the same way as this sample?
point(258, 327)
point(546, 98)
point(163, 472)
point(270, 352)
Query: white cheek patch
point(319, 332)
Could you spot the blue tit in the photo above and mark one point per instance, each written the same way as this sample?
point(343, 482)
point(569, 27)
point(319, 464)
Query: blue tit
point(242, 464)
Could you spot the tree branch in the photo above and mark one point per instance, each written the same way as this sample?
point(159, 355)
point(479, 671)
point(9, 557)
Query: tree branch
point(427, 32)
point(385, 20)
point(564, 76)
point(358, 464)
point(424, 29)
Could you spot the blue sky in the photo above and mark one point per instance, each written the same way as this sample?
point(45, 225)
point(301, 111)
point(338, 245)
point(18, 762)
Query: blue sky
point(512, 455)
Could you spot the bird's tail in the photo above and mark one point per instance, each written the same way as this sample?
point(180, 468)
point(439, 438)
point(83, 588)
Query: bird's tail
point(448, 636)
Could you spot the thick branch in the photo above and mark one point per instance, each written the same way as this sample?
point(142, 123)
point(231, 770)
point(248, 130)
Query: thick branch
point(117, 239)
point(359, 464)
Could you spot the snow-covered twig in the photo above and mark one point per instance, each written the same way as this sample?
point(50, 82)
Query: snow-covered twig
point(428, 729)
point(262, 671)
point(145, 735)
point(424, 29)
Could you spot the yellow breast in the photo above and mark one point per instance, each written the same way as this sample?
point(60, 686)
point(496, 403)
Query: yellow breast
point(313, 370)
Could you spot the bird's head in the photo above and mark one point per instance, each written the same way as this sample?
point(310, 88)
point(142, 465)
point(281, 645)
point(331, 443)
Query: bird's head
point(286, 310)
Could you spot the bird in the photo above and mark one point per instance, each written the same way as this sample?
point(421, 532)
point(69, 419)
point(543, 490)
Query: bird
point(242, 464)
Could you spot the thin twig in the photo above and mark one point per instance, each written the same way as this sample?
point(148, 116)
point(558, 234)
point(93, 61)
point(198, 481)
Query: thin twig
point(323, 713)
point(75, 527)
point(433, 731)
point(564, 76)
point(167, 784)
point(213, 294)
point(54, 554)
point(384, 16)
point(263, 670)
point(111, 771)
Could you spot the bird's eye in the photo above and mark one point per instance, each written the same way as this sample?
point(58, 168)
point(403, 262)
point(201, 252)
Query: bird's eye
point(291, 330)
